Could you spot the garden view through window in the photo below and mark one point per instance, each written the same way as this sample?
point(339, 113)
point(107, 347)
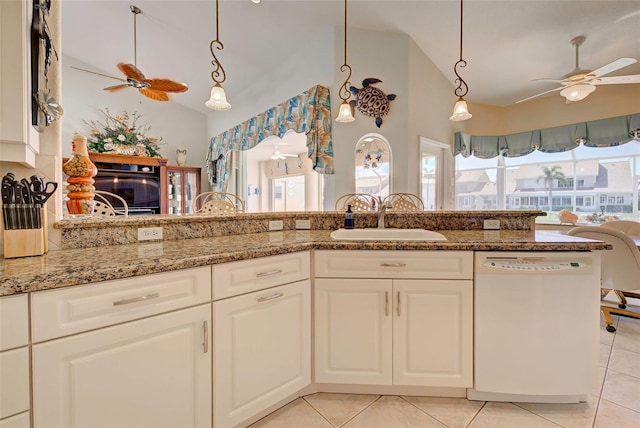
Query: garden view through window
point(597, 184)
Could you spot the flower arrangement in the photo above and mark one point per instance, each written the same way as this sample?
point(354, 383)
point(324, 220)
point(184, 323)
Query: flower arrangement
point(121, 134)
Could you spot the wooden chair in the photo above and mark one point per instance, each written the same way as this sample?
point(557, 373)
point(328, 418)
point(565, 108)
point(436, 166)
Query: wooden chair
point(217, 203)
point(104, 204)
point(358, 202)
point(620, 270)
point(404, 202)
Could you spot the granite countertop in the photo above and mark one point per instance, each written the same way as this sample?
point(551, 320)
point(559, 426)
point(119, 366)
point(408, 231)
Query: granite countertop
point(62, 268)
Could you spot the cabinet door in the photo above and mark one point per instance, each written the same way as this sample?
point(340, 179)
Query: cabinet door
point(433, 333)
point(191, 189)
point(154, 372)
point(353, 330)
point(262, 350)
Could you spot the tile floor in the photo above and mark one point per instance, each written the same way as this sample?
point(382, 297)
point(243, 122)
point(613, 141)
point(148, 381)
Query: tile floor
point(614, 403)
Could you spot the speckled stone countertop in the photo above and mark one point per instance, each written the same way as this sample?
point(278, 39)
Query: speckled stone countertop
point(68, 267)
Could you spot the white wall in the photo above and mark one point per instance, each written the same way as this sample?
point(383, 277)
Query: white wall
point(83, 97)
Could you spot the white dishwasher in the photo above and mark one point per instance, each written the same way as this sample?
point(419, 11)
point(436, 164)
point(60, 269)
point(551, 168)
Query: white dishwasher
point(536, 326)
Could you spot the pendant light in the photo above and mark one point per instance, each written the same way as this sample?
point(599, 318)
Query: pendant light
point(218, 99)
point(345, 113)
point(460, 109)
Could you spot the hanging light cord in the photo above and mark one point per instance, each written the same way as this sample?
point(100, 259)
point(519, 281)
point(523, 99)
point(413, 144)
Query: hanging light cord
point(217, 68)
point(344, 89)
point(462, 88)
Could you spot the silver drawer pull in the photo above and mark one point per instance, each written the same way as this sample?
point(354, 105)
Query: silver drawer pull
point(273, 296)
point(136, 299)
point(269, 273)
point(393, 264)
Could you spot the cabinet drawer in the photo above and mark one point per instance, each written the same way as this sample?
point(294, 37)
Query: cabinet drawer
point(232, 279)
point(72, 310)
point(14, 322)
point(14, 382)
point(394, 264)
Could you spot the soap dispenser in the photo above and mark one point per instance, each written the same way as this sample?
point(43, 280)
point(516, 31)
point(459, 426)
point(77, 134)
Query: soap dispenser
point(348, 218)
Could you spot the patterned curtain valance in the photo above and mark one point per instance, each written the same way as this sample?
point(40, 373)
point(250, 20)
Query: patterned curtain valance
point(308, 112)
point(596, 133)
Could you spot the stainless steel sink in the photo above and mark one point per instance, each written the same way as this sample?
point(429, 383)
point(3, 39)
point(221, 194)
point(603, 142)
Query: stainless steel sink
point(386, 235)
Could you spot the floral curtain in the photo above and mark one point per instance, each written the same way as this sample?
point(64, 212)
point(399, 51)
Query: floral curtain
point(308, 112)
point(596, 133)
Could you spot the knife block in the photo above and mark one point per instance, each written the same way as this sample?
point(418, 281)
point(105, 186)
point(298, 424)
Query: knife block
point(26, 242)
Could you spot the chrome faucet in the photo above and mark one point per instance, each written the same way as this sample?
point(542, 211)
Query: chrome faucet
point(382, 208)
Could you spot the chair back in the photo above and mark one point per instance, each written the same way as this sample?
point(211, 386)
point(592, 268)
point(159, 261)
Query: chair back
point(217, 203)
point(404, 202)
point(621, 266)
point(626, 226)
point(358, 202)
point(104, 204)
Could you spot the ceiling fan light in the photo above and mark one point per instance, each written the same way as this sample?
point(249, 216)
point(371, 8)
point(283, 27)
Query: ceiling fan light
point(345, 114)
point(218, 99)
point(460, 111)
point(577, 92)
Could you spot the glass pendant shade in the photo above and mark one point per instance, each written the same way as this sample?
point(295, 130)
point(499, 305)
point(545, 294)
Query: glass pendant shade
point(218, 99)
point(460, 111)
point(577, 92)
point(345, 114)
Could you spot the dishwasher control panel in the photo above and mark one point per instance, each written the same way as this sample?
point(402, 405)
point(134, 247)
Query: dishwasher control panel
point(533, 265)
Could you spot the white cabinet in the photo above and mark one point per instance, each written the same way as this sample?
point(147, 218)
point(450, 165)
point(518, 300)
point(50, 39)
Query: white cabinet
point(262, 341)
point(394, 331)
point(14, 360)
point(153, 368)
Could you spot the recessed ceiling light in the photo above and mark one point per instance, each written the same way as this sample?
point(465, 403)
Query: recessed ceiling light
point(255, 1)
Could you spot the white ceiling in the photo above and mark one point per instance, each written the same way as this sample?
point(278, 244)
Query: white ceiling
point(507, 43)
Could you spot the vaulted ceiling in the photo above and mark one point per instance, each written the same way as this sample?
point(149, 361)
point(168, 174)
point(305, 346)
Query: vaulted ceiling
point(507, 43)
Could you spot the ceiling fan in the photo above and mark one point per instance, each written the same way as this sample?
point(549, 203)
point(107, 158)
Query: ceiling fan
point(278, 155)
point(578, 84)
point(156, 89)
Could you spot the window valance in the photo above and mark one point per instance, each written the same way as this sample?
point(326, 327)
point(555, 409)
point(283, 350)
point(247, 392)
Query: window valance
point(596, 133)
point(308, 112)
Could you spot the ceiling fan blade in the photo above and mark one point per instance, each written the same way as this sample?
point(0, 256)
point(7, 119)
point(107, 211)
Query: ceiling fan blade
point(167, 85)
point(115, 88)
point(613, 66)
point(131, 71)
point(540, 94)
point(548, 80)
point(154, 94)
point(99, 74)
point(618, 80)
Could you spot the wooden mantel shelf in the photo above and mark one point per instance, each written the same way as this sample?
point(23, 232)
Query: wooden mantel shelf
point(127, 159)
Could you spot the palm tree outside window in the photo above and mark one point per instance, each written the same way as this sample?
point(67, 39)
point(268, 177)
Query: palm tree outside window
point(549, 177)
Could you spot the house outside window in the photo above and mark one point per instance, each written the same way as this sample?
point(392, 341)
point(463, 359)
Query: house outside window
point(608, 175)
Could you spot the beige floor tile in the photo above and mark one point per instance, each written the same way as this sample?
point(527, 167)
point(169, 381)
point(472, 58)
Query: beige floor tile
point(610, 415)
point(627, 340)
point(508, 415)
point(622, 389)
point(392, 412)
point(630, 325)
point(297, 414)
point(579, 415)
point(453, 412)
point(597, 389)
point(605, 354)
point(339, 408)
point(626, 362)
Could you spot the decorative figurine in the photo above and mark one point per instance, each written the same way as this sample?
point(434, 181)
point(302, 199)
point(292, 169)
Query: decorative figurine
point(371, 101)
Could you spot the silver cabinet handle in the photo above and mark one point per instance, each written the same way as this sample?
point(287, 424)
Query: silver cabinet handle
point(136, 299)
point(269, 273)
point(273, 296)
point(393, 264)
point(386, 303)
point(398, 309)
point(205, 332)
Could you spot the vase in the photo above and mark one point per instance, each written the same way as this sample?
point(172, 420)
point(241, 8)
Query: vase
point(181, 157)
point(80, 171)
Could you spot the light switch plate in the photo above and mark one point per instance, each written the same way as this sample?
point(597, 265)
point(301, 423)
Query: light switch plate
point(492, 224)
point(275, 225)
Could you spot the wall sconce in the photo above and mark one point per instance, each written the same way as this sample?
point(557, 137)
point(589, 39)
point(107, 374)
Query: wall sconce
point(345, 113)
point(460, 109)
point(217, 99)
